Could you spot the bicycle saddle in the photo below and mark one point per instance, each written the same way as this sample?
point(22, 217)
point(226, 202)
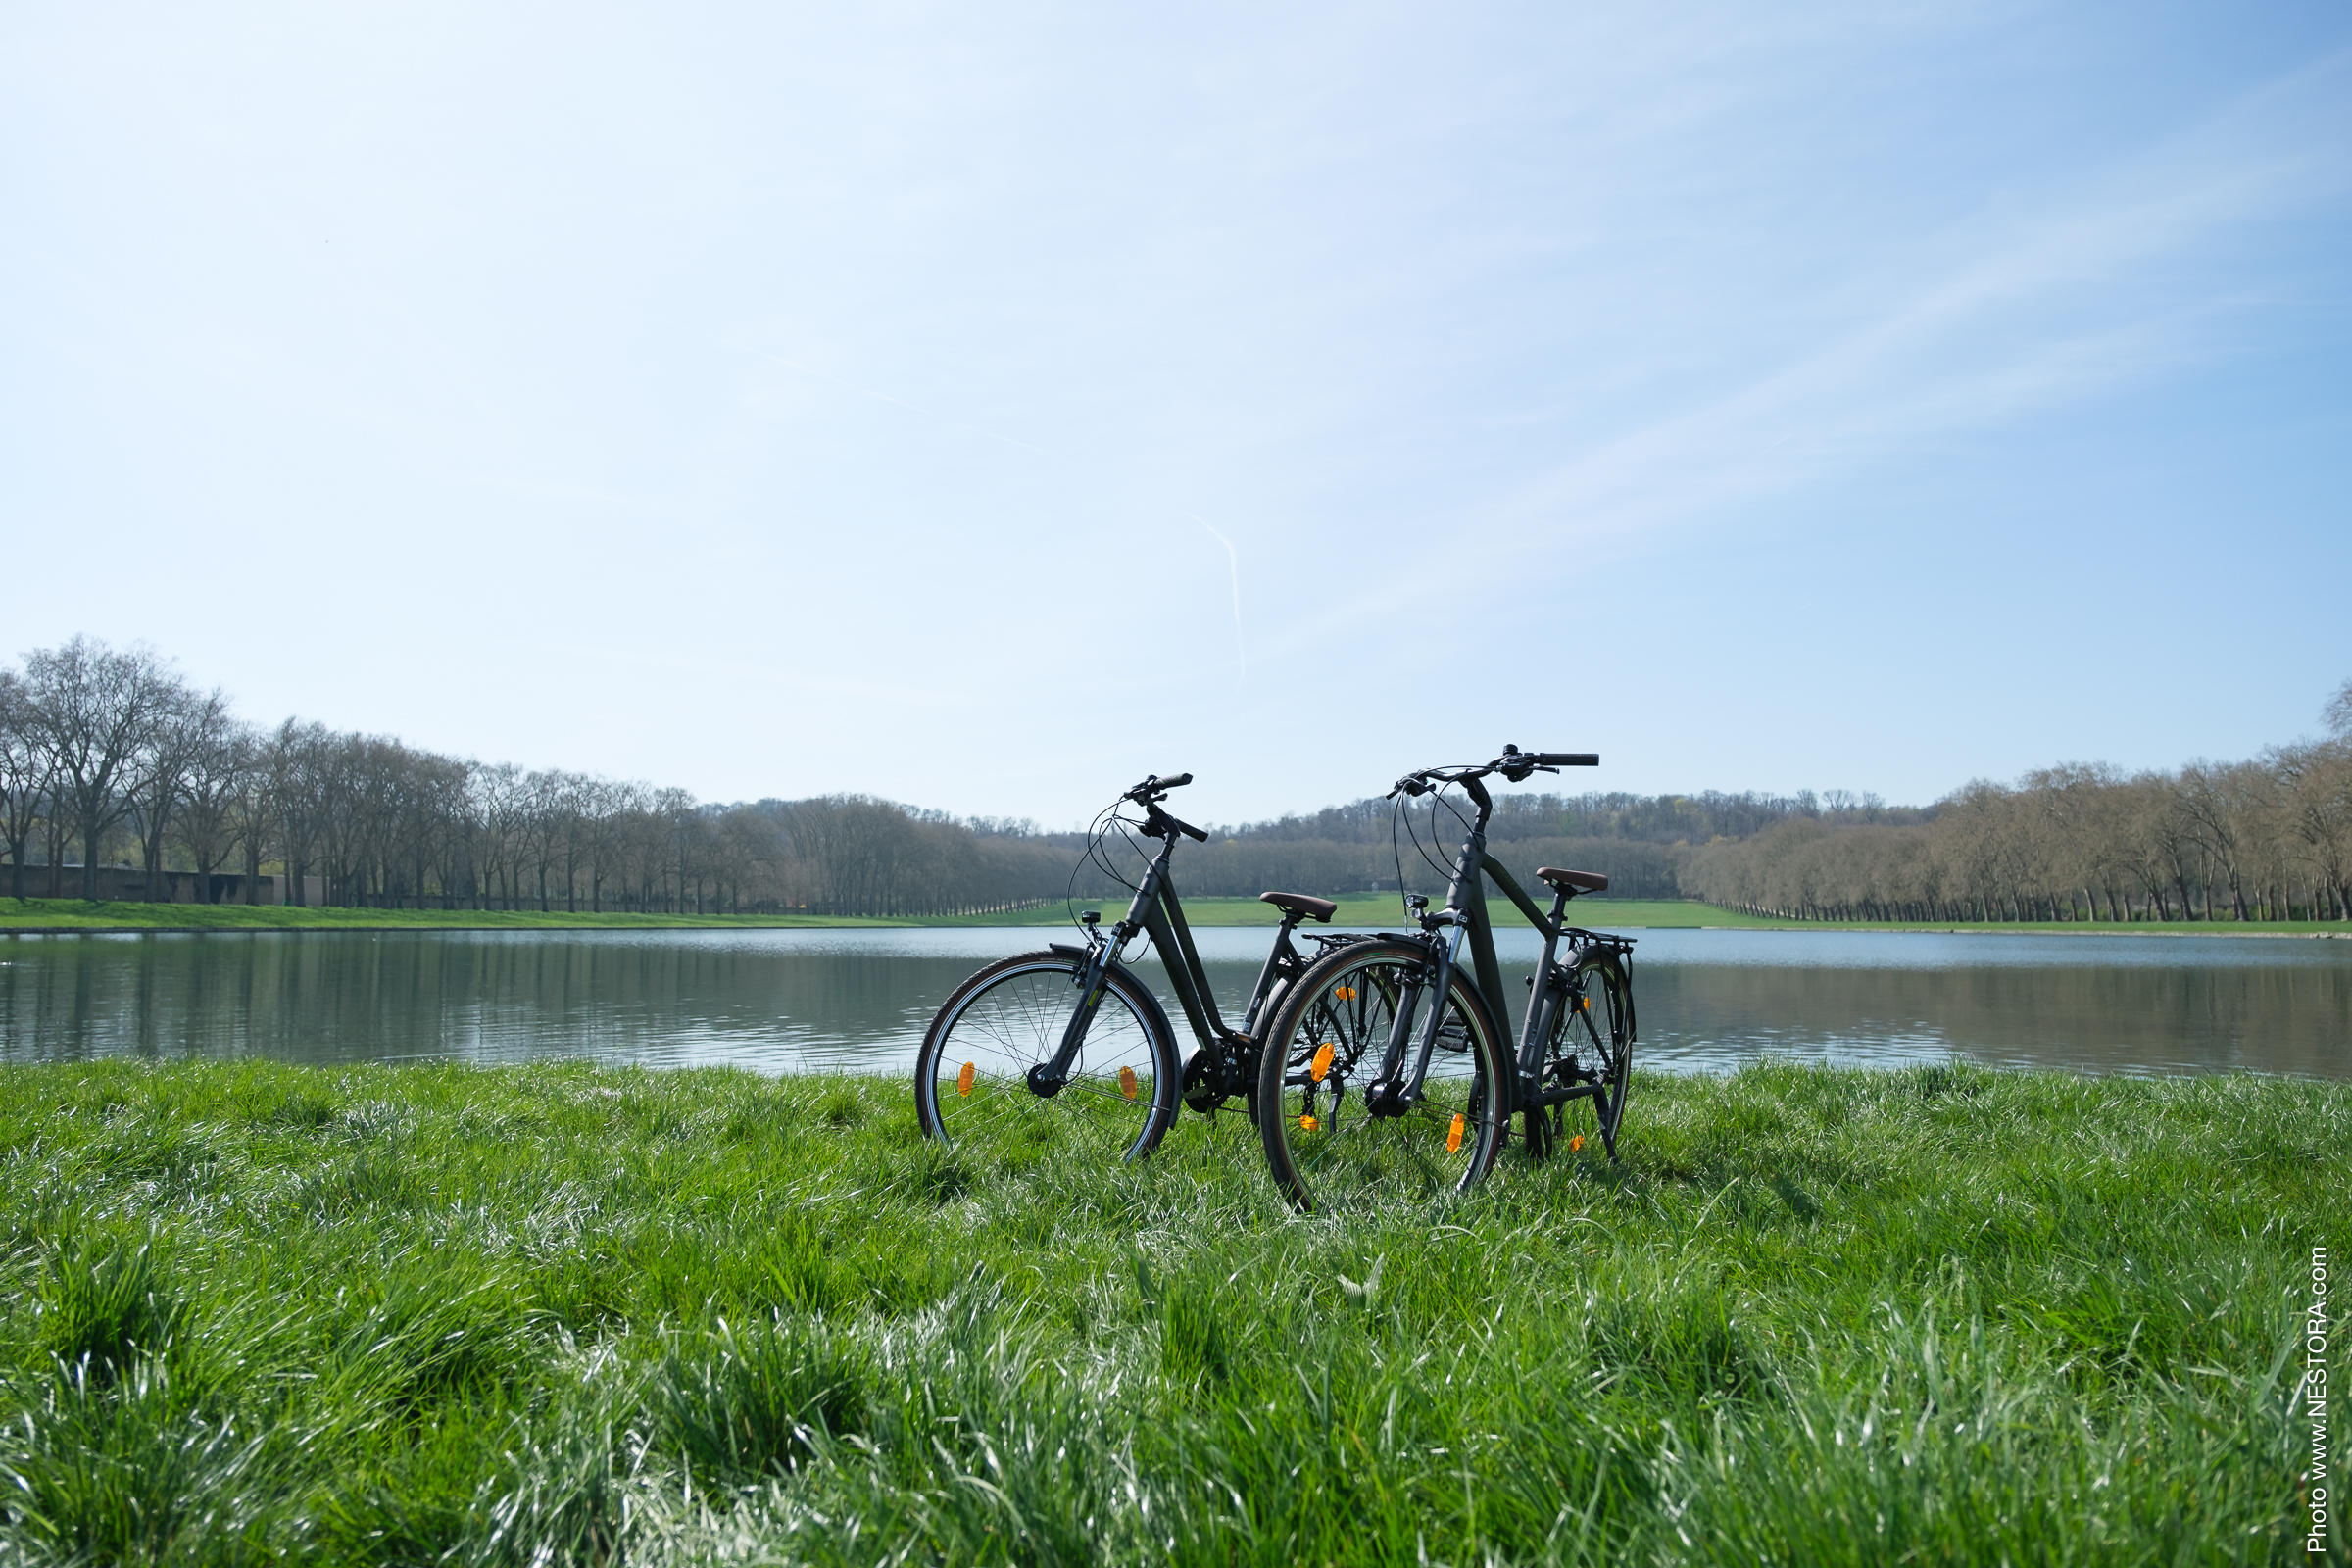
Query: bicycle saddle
point(1573, 882)
point(1299, 903)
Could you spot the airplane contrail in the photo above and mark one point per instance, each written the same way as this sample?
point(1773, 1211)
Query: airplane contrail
point(1233, 560)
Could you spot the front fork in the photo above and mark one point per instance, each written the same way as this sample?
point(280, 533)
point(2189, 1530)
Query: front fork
point(1046, 1078)
point(1391, 1094)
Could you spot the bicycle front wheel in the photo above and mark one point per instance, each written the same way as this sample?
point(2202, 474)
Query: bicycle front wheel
point(971, 1080)
point(1329, 1143)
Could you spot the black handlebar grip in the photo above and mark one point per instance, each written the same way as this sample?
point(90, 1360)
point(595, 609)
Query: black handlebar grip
point(1186, 827)
point(1176, 783)
point(1568, 758)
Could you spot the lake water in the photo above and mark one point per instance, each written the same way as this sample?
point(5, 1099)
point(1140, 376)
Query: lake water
point(792, 1001)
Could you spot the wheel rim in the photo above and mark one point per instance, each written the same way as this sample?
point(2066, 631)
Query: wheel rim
point(977, 1080)
point(1338, 1153)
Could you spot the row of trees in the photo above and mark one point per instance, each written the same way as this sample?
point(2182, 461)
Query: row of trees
point(108, 754)
point(2269, 839)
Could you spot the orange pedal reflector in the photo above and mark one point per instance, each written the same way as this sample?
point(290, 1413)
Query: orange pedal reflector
point(1576, 1144)
point(1454, 1135)
point(1320, 1068)
point(1127, 1082)
point(1588, 1001)
point(964, 1079)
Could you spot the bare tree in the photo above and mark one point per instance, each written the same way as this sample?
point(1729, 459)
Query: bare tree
point(102, 712)
point(295, 763)
point(191, 723)
point(216, 782)
point(27, 773)
point(2318, 806)
point(2336, 713)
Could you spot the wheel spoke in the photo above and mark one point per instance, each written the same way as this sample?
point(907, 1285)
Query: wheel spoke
point(1350, 1003)
point(1010, 1020)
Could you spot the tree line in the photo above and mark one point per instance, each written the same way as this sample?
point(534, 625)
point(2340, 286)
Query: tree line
point(2267, 839)
point(109, 756)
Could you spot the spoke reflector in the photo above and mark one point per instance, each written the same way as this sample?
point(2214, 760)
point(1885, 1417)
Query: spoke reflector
point(1454, 1135)
point(1320, 1068)
point(1576, 1144)
point(1127, 1082)
point(1343, 993)
point(1307, 1124)
point(964, 1079)
point(1588, 1001)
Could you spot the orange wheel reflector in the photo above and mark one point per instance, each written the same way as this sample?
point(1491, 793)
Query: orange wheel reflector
point(1588, 1001)
point(1320, 1068)
point(1127, 1082)
point(1576, 1144)
point(964, 1079)
point(1454, 1135)
point(1343, 993)
point(1307, 1124)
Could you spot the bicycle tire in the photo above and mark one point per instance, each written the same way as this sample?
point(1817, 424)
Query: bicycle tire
point(1591, 1038)
point(970, 1076)
point(1326, 1153)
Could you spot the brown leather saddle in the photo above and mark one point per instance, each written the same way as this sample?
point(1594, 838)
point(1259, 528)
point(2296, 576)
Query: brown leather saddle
point(1299, 903)
point(1571, 882)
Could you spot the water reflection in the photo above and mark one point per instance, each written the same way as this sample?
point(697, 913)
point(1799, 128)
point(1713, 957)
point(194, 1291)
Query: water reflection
point(781, 1001)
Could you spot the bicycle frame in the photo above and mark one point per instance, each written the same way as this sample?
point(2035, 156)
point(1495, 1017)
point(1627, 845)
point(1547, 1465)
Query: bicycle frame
point(1157, 911)
point(1465, 916)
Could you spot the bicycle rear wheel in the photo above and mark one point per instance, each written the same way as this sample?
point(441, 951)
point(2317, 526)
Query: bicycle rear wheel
point(1592, 1043)
point(1326, 1148)
point(971, 1079)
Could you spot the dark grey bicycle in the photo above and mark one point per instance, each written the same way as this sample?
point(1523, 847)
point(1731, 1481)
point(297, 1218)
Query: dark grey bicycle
point(1383, 1070)
point(1066, 1048)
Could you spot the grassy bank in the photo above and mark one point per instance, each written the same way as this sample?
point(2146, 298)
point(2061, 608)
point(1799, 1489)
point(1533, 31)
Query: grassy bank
point(562, 1314)
point(1357, 911)
point(75, 915)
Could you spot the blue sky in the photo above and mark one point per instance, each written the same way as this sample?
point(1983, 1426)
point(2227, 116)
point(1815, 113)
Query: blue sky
point(984, 407)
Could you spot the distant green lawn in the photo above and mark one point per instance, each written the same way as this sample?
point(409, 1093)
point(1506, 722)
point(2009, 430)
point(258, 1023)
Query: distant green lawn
point(1357, 911)
point(1385, 911)
point(556, 1314)
point(74, 914)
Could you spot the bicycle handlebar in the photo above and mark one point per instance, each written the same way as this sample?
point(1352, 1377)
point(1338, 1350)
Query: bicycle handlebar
point(1155, 785)
point(1198, 835)
point(1513, 765)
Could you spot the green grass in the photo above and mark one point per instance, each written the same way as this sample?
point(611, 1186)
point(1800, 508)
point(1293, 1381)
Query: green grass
point(76, 914)
point(558, 1314)
point(1357, 911)
point(1366, 911)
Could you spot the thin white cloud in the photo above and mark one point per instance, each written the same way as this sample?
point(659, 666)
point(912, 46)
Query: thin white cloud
point(1973, 343)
